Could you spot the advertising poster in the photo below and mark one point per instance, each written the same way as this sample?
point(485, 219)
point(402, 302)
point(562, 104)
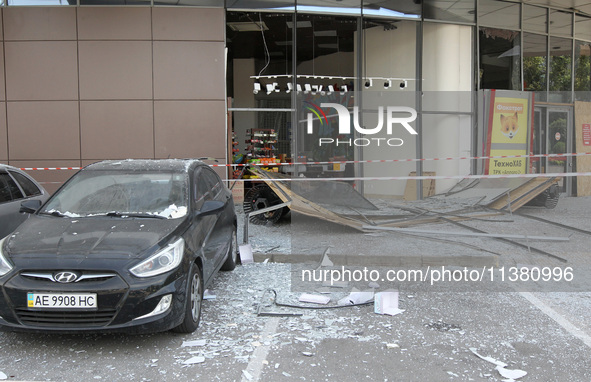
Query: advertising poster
point(509, 130)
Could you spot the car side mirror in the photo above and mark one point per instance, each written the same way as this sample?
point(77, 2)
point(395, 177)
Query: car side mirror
point(211, 207)
point(30, 206)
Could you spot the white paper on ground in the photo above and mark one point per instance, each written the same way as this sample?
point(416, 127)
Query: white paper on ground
point(356, 298)
point(314, 298)
point(246, 254)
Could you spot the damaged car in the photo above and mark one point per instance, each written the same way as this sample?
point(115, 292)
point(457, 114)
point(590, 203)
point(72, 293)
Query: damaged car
point(122, 246)
point(16, 186)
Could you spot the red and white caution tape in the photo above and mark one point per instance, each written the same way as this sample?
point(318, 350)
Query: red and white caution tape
point(405, 160)
point(49, 168)
point(424, 177)
point(356, 161)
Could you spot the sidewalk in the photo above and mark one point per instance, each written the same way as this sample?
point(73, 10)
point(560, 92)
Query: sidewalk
point(302, 239)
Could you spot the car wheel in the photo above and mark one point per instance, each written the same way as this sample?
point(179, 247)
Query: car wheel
point(232, 259)
point(193, 300)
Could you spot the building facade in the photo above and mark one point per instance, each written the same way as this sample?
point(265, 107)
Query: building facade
point(90, 80)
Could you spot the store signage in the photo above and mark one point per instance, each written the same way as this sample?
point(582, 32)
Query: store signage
point(509, 133)
point(344, 117)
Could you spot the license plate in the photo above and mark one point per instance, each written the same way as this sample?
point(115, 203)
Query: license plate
point(62, 300)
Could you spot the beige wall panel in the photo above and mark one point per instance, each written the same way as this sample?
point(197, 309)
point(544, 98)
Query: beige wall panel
point(203, 24)
point(43, 130)
point(40, 23)
point(190, 129)
point(115, 69)
point(45, 70)
point(116, 129)
point(51, 180)
point(189, 70)
point(1, 23)
point(2, 79)
point(116, 23)
point(3, 134)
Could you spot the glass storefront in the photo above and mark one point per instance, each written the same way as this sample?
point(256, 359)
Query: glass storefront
point(364, 55)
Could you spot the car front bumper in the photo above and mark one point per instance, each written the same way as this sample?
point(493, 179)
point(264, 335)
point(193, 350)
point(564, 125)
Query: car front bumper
point(120, 304)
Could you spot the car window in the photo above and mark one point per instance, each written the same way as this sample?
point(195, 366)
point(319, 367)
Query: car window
point(100, 192)
point(27, 184)
point(8, 189)
point(202, 189)
point(213, 182)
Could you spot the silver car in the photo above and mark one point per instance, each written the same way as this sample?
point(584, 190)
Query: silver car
point(15, 187)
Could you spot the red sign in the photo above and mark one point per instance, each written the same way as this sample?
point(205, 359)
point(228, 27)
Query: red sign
point(557, 136)
point(587, 134)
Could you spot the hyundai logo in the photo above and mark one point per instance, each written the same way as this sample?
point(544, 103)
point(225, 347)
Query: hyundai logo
point(65, 277)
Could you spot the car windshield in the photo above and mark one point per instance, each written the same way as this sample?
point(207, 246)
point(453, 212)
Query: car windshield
point(121, 194)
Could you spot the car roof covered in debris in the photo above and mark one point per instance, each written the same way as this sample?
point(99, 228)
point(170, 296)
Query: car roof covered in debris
point(4, 166)
point(166, 165)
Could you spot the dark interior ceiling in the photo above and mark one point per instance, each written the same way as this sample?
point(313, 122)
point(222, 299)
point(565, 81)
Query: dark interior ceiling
point(317, 35)
point(325, 34)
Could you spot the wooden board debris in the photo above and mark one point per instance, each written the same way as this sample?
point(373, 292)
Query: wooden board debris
point(306, 207)
point(516, 198)
point(583, 143)
point(410, 192)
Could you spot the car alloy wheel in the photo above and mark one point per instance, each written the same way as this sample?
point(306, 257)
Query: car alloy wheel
point(195, 297)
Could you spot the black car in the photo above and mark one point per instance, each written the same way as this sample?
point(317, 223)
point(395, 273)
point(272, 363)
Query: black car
point(121, 246)
point(15, 187)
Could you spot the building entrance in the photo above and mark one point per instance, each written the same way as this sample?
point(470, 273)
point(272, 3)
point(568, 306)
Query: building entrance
point(553, 133)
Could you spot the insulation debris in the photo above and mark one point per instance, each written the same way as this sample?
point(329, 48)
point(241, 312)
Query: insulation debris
point(356, 298)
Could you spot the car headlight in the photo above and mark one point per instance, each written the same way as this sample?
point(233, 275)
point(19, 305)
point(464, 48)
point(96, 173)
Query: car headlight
point(5, 265)
point(163, 261)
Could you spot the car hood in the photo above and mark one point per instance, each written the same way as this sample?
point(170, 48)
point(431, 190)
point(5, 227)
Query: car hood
point(42, 236)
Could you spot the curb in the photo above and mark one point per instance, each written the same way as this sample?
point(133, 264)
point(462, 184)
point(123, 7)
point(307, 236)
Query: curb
point(387, 261)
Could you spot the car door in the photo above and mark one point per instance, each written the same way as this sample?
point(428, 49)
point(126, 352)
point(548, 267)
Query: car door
point(10, 198)
point(202, 224)
point(218, 236)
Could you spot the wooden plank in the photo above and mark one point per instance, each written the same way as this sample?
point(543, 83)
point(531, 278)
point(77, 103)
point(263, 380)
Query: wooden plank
point(521, 195)
point(582, 122)
point(410, 192)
